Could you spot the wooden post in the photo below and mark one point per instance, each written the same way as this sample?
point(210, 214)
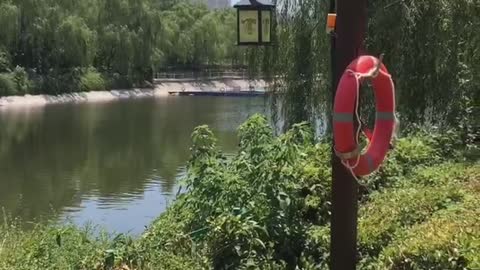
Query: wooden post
point(347, 42)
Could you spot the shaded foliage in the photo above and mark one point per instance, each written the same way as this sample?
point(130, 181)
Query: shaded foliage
point(430, 47)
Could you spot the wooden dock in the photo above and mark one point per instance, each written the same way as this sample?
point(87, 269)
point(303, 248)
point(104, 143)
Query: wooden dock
point(233, 93)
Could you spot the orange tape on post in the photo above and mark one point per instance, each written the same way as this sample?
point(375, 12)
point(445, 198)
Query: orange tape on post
point(331, 20)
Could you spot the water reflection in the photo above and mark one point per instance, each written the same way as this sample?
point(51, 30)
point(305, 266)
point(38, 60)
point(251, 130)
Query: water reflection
point(115, 163)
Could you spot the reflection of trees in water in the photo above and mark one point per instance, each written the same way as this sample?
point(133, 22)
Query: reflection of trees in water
point(13, 132)
point(50, 158)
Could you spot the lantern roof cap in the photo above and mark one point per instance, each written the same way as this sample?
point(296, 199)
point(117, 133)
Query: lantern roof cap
point(254, 3)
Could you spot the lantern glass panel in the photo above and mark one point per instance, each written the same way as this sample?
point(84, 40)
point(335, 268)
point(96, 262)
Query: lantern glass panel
point(266, 25)
point(248, 27)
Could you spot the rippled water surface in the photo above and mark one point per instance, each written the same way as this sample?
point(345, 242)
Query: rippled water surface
point(113, 164)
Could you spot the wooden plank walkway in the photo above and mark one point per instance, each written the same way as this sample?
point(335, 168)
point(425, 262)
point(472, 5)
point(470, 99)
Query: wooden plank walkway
point(219, 93)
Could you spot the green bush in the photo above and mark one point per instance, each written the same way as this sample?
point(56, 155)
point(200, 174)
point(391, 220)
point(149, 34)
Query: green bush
point(237, 214)
point(56, 82)
point(418, 196)
point(444, 174)
point(448, 144)
point(118, 81)
point(4, 61)
point(317, 248)
point(7, 85)
point(92, 80)
point(395, 210)
point(450, 240)
point(51, 247)
point(23, 84)
point(413, 151)
point(15, 83)
point(408, 153)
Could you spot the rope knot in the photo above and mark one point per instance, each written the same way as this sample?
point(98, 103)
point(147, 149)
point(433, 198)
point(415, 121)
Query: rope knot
point(376, 70)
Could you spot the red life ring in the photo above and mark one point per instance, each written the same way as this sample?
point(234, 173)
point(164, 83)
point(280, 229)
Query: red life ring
point(346, 103)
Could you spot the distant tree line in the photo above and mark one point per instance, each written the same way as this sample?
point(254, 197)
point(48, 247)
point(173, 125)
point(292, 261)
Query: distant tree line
point(54, 46)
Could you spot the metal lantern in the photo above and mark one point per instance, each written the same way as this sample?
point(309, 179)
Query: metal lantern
point(254, 22)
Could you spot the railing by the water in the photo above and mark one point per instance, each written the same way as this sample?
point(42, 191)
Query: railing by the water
point(202, 75)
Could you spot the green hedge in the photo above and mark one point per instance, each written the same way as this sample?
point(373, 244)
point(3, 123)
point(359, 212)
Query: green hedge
point(15, 83)
point(444, 174)
point(92, 80)
point(408, 154)
point(416, 197)
point(70, 81)
point(396, 210)
point(22, 82)
point(50, 247)
point(450, 240)
point(4, 61)
point(7, 85)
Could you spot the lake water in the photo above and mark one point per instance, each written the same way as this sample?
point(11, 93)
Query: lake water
point(112, 164)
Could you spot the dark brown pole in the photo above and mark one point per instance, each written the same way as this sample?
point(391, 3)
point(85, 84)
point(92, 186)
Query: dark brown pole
point(347, 42)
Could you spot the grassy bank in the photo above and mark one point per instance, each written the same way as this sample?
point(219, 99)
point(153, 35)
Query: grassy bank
point(268, 208)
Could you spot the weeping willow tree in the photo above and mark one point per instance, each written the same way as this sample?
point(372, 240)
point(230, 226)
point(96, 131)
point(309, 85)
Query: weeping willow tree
point(297, 65)
point(430, 47)
point(61, 43)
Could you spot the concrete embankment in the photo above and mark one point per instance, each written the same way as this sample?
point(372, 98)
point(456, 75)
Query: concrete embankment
point(160, 90)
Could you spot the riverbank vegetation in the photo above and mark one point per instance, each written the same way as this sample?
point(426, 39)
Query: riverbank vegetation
point(70, 46)
point(268, 208)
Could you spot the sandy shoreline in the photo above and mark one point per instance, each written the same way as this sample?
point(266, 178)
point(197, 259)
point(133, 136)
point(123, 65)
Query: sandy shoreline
point(160, 90)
